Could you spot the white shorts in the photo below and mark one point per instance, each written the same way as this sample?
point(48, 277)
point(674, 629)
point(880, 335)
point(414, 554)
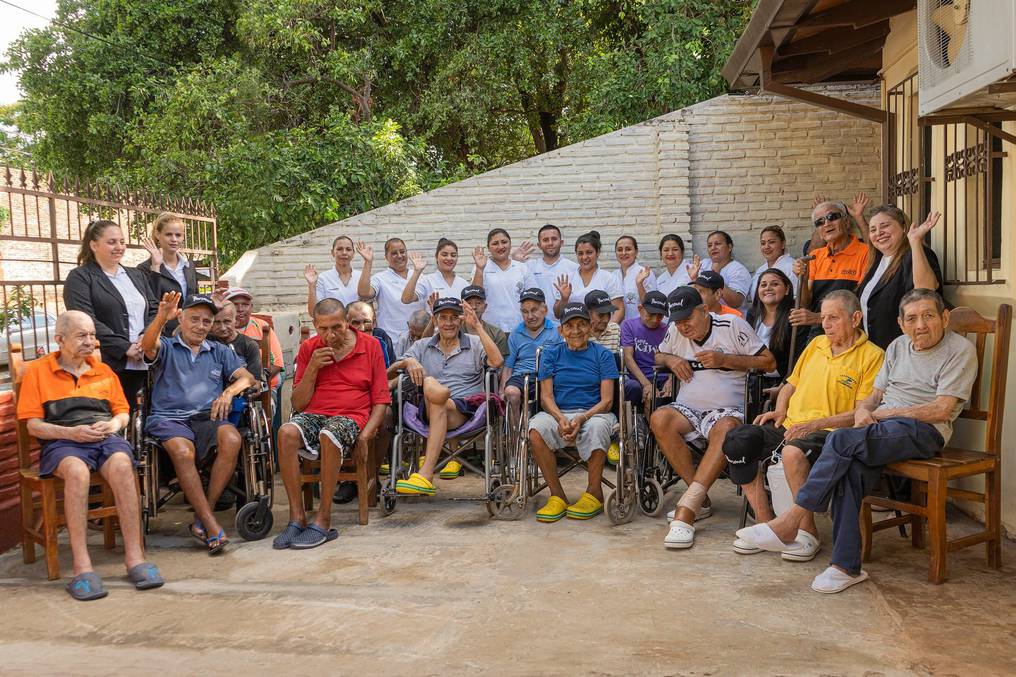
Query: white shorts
point(594, 435)
point(703, 421)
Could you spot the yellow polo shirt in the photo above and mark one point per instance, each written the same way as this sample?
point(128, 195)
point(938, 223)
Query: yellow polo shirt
point(827, 385)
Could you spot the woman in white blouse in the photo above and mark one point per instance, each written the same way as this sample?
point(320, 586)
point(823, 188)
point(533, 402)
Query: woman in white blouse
point(736, 278)
point(443, 281)
point(772, 243)
point(340, 282)
point(572, 288)
point(503, 280)
point(634, 278)
point(675, 270)
point(386, 287)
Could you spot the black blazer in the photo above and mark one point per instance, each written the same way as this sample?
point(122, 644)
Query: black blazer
point(89, 290)
point(162, 281)
point(884, 302)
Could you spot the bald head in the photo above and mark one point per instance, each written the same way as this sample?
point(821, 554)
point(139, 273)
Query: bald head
point(75, 336)
point(361, 316)
point(71, 320)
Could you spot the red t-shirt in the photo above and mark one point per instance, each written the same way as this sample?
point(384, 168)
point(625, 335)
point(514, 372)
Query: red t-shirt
point(349, 387)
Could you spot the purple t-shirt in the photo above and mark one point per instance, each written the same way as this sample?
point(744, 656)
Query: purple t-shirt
point(643, 341)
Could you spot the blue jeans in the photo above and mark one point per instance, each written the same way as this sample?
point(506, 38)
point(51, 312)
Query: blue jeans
point(848, 469)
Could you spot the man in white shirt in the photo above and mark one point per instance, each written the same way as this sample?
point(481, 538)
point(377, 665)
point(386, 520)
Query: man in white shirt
point(711, 355)
point(548, 268)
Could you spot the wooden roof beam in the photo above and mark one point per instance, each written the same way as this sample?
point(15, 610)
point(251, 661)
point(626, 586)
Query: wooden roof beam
point(859, 13)
point(819, 68)
point(833, 40)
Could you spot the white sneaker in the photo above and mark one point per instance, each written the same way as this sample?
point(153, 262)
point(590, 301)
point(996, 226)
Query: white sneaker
point(703, 512)
point(680, 536)
point(742, 547)
point(833, 580)
point(803, 549)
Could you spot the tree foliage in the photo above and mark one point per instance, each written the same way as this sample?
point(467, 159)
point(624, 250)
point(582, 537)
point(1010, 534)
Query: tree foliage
point(288, 114)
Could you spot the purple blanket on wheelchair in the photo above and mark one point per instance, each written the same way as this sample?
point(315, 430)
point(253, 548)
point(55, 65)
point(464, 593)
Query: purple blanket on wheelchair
point(476, 422)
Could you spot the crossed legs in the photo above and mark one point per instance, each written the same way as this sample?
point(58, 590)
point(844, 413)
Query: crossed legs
point(442, 416)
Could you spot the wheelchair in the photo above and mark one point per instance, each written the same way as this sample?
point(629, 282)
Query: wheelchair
point(654, 475)
point(620, 503)
point(253, 480)
point(485, 427)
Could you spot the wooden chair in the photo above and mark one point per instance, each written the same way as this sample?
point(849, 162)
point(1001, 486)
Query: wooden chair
point(930, 477)
point(42, 528)
point(361, 469)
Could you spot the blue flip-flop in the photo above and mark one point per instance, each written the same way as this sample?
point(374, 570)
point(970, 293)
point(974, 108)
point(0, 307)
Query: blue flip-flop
point(312, 537)
point(145, 576)
point(284, 540)
point(86, 587)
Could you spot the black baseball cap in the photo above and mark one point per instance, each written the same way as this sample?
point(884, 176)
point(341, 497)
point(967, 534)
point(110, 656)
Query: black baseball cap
point(573, 310)
point(655, 303)
point(472, 292)
point(599, 301)
point(200, 300)
point(709, 279)
point(533, 294)
point(448, 303)
point(682, 302)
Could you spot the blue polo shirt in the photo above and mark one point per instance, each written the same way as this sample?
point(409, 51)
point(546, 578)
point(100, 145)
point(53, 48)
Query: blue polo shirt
point(187, 384)
point(577, 374)
point(522, 346)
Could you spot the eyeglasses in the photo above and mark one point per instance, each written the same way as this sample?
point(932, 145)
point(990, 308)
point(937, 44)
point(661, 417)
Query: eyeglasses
point(831, 216)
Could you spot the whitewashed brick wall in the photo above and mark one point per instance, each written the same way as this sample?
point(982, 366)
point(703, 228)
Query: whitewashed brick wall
point(733, 162)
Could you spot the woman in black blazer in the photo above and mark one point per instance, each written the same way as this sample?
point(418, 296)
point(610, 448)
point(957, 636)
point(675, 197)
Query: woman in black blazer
point(900, 262)
point(118, 299)
point(167, 269)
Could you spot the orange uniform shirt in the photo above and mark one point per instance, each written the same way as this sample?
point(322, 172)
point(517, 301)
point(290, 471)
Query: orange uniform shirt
point(255, 329)
point(52, 394)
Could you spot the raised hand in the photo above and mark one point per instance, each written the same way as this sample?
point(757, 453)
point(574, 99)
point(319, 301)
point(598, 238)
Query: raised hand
point(419, 263)
point(643, 275)
point(470, 318)
point(310, 274)
point(365, 251)
point(818, 199)
point(857, 207)
point(522, 252)
point(694, 267)
point(153, 249)
point(479, 258)
point(431, 300)
point(917, 233)
point(169, 307)
point(563, 286)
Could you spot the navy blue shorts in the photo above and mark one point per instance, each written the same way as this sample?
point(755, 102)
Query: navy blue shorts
point(518, 380)
point(465, 408)
point(200, 430)
point(94, 454)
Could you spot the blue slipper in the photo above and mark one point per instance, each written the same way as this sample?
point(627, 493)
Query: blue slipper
point(312, 537)
point(86, 587)
point(285, 539)
point(145, 576)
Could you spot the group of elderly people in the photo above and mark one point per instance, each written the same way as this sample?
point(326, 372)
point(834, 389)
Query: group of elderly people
point(875, 375)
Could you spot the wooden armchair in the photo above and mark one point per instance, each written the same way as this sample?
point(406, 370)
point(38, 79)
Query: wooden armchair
point(361, 468)
point(930, 477)
point(42, 497)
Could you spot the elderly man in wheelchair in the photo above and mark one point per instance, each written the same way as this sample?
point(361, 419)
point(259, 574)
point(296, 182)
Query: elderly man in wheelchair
point(341, 393)
point(577, 381)
point(449, 367)
point(189, 405)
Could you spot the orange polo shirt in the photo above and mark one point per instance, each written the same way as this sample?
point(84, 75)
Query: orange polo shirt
point(843, 270)
point(255, 329)
point(54, 395)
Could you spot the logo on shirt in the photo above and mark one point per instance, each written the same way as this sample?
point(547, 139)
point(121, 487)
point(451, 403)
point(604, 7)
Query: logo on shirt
point(847, 380)
point(742, 338)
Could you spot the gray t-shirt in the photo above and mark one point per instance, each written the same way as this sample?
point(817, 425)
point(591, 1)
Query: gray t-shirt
point(909, 378)
point(461, 371)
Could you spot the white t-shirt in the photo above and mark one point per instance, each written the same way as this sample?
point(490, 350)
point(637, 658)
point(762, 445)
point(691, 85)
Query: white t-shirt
point(136, 305)
point(392, 314)
point(667, 282)
point(602, 280)
point(737, 278)
point(714, 388)
point(784, 263)
point(544, 276)
point(330, 286)
point(503, 288)
point(765, 332)
point(435, 282)
point(883, 266)
point(631, 290)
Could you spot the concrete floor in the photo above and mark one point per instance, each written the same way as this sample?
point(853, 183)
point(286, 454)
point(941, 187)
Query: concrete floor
point(438, 588)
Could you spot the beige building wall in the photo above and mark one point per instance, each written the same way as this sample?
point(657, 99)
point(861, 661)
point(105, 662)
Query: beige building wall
point(734, 162)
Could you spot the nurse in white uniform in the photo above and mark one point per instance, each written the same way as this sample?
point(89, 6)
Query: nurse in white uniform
point(503, 280)
point(772, 243)
point(443, 281)
point(675, 268)
point(634, 278)
point(386, 286)
point(340, 282)
point(572, 288)
point(736, 277)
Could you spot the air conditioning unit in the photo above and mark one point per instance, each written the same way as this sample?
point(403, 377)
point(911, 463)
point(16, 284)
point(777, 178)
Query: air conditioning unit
point(963, 46)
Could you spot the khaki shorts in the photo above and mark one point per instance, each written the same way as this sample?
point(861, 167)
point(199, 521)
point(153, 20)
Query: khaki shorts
point(594, 435)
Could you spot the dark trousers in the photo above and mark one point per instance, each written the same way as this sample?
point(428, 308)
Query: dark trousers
point(848, 469)
point(131, 381)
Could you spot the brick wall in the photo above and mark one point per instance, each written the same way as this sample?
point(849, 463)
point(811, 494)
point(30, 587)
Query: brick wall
point(733, 162)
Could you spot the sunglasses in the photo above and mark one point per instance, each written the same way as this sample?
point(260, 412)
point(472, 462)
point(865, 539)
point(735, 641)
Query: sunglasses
point(831, 216)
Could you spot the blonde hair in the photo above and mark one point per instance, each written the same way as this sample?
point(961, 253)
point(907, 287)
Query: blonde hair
point(163, 220)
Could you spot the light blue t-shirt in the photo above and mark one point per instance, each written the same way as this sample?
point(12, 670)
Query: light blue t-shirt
point(577, 374)
point(522, 346)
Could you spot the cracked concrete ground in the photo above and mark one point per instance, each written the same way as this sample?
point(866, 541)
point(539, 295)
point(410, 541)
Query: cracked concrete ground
point(438, 588)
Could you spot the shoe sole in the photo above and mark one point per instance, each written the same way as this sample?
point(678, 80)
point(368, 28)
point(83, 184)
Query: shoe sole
point(790, 557)
point(678, 546)
point(451, 476)
point(745, 551)
point(859, 579)
point(411, 490)
point(583, 515)
point(549, 518)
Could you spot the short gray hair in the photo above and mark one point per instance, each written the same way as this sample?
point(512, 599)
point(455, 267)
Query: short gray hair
point(846, 298)
point(915, 295)
point(69, 319)
point(419, 318)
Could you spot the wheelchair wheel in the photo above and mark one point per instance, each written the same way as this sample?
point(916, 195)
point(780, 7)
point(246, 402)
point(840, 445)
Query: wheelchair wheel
point(387, 503)
point(506, 502)
point(650, 497)
point(250, 525)
point(619, 512)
